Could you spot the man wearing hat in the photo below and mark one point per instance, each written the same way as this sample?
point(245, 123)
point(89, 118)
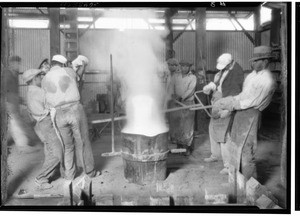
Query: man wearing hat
point(43, 127)
point(79, 66)
point(182, 89)
point(63, 97)
point(258, 89)
point(227, 82)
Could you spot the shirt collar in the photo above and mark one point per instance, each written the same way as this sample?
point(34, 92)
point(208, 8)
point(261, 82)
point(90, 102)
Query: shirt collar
point(55, 67)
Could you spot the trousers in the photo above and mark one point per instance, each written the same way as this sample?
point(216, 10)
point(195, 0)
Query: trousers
point(16, 127)
point(52, 148)
point(73, 127)
point(220, 149)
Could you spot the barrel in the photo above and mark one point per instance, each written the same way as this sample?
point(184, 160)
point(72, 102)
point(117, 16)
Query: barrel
point(144, 158)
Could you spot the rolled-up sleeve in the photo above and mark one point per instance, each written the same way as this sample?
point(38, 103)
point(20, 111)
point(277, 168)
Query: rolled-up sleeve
point(256, 96)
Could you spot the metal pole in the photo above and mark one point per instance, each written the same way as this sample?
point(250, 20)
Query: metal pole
point(112, 106)
point(191, 107)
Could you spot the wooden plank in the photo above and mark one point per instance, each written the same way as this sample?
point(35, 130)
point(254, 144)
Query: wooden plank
point(54, 31)
point(3, 113)
point(275, 27)
point(257, 37)
point(243, 29)
point(169, 38)
point(200, 17)
point(283, 34)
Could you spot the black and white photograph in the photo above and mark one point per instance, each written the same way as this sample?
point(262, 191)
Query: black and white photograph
point(146, 106)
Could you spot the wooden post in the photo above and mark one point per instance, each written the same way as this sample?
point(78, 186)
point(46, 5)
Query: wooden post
point(283, 34)
point(201, 120)
point(169, 38)
point(275, 27)
point(54, 32)
point(4, 54)
point(256, 26)
point(200, 38)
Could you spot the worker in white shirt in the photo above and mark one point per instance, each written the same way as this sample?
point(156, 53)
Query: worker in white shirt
point(43, 127)
point(258, 89)
point(182, 89)
point(79, 66)
point(63, 97)
point(227, 82)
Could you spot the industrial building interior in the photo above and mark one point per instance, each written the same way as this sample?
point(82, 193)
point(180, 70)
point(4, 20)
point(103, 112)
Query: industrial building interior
point(198, 34)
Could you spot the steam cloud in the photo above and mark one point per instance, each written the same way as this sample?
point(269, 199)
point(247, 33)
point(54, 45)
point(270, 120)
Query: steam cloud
point(136, 61)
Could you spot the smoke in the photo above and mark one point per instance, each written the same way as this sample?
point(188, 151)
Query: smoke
point(136, 61)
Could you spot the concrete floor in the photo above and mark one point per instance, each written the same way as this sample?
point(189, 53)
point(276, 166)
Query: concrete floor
point(187, 176)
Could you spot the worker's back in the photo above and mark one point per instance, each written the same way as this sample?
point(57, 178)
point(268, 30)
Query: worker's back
point(60, 86)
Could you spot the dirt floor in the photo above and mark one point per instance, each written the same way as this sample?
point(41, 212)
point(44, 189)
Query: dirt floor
point(187, 176)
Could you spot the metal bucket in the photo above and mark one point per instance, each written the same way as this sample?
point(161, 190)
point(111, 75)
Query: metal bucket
point(144, 158)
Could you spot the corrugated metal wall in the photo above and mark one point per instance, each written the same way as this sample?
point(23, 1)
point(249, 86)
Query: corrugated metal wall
point(33, 45)
point(218, 42)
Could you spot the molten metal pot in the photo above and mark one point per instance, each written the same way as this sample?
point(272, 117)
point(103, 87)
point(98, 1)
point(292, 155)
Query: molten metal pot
point(144, 158)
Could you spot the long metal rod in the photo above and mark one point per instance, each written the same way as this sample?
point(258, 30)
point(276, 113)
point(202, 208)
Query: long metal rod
point(191, 107)
point(112, 106)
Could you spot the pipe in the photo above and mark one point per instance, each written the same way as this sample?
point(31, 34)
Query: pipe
point(191, 107)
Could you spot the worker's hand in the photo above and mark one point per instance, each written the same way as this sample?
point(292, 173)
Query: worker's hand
point(228, 103)
point(216, 96)
point(209, 87)
point(224, 113)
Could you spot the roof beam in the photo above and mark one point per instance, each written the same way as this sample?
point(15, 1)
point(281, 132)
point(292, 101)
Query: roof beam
point(245, 32)
point(186, 26)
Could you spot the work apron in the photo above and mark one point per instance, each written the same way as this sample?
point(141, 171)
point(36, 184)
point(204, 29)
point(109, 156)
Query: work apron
point(182, 124)
point(219, 126)
point(243, 132)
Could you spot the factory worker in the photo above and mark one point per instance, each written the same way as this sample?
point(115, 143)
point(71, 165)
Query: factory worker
point(173, 67)
point(45, 65)
point(182, 89)
point(258, 89)
point(16, 126)
point(79, 66)
point(227, 82)
point(63, 97)
point(35, 98)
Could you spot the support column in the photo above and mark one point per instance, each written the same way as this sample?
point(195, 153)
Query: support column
point(275, 27)
point(201, 118)
point(200, 18)
point(256, 26)
point(283, 35)
point(4, 53)
point(169, 38)
point(54, 32)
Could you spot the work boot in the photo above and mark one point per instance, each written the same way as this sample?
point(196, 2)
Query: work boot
point(211, 159)
point(224, 171)
point(42, 184)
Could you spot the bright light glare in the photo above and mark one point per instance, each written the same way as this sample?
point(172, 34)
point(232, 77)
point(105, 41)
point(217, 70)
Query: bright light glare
point(121, 23)
point(28, 23)
point(219, 24)
point(265, 15)
point(156, 20)
point(85, 19)
point(225, 24)
point(83, 25)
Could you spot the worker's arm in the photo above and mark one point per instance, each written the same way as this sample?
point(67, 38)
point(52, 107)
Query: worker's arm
point(255, 97)
point(211, 86)
point(80, 71)
point(191, 88)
